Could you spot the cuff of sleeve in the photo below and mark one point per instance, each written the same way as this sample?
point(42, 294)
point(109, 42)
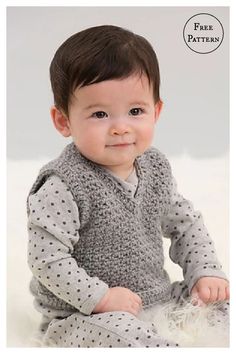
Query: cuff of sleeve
point(96, 295)
point(200, 272)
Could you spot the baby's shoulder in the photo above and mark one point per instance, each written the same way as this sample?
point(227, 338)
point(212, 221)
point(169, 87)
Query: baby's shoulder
point(51, 188)
point(53, 192)
point(154, 155)
point(53, 184)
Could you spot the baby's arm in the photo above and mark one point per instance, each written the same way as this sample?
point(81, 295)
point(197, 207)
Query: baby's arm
point(53, 230)
point(191, 247)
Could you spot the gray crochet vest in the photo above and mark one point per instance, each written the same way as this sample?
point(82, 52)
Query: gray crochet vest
point(120, 235)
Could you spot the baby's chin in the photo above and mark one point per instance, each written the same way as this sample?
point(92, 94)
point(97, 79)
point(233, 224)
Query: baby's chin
point(113, 156)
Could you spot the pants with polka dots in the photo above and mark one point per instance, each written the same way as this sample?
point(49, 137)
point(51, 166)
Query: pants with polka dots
point(106, 330)
point(109, 329)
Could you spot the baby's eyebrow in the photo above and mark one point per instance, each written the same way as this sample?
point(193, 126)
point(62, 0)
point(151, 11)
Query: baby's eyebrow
point(139, 103)
point(96, 105)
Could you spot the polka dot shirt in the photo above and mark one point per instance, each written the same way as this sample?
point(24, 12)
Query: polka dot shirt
point(53, 227)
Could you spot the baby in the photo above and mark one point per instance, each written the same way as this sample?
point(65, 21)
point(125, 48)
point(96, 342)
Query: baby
point(98, 212)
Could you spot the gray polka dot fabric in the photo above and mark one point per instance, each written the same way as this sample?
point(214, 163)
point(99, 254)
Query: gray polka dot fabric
point(107, 330)
point(66, 294)
point(117, 230)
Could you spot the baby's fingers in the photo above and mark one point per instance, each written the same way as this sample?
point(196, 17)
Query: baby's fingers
point(138, 299)
point(213, 294)
point(221, 294)
point(196, 301)
point(227, 293)
point(204, 294)
point(135, 308)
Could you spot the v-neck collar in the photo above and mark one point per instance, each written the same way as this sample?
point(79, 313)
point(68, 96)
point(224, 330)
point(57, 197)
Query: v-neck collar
point(117, 184)
point(131, 202)
point(130, 183)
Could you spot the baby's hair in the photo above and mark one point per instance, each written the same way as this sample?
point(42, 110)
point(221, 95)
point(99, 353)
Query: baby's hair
point(97, 54)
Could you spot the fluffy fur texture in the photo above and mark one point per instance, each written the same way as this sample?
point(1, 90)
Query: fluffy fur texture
point(190, 325)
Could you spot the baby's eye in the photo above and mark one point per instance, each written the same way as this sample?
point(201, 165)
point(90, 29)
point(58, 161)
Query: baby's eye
point(99, 114)
point(136, 111)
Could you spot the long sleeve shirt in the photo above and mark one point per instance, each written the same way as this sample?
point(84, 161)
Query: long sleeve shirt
point(54, 224)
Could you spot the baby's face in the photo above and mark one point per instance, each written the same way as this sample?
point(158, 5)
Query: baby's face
point(112, 122)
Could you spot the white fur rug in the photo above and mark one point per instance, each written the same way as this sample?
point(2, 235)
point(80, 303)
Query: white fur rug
point(205, 182)
point(189, 325)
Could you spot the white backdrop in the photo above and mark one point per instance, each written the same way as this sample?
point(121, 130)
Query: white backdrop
point(192, 131)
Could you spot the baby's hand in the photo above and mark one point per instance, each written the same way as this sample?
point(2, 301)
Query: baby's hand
point(119, 299)
point(210, 289)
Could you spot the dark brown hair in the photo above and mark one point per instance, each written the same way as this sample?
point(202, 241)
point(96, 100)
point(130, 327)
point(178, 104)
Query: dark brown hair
point(97, 54)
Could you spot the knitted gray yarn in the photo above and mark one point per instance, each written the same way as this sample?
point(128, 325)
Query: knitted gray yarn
point(120, 235)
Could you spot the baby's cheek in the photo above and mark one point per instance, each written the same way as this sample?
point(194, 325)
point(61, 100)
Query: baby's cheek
point(148, 132)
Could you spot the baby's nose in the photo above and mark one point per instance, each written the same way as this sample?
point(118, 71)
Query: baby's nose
point(120, 127)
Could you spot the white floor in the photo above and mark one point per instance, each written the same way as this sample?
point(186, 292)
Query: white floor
point(205, 182)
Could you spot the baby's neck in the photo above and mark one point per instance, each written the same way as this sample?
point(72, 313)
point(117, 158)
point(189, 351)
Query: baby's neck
point(122, 173)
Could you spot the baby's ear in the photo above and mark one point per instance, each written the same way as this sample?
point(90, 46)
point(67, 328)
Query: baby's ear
point(60, 121)
point(158, 109)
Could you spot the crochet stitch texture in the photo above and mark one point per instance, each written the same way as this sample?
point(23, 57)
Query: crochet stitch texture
point(120, 235)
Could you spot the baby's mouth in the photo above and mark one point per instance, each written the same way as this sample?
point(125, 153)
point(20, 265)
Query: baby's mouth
point(120, 145)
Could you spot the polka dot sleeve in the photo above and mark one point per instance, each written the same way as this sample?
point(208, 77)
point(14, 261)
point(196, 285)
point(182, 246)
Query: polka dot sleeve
point(191, 246)
point(53, 228)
